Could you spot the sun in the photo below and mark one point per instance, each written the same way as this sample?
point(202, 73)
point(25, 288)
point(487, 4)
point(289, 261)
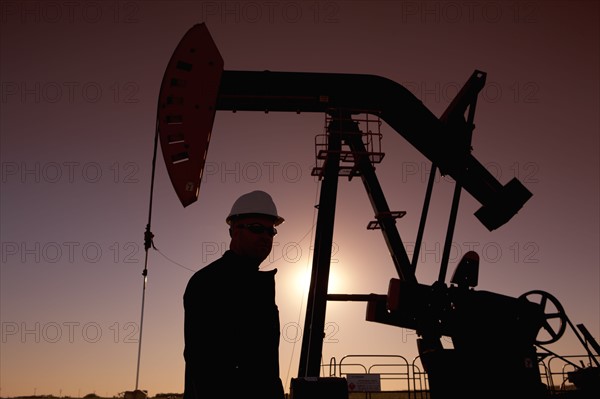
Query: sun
point(303, 275)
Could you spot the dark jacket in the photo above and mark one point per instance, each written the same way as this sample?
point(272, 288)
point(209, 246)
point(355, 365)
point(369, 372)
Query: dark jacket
point(231, 331)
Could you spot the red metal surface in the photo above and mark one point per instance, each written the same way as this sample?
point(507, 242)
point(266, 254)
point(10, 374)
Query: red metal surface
point(186, 109)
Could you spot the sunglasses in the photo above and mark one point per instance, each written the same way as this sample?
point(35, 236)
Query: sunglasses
point(258, 228)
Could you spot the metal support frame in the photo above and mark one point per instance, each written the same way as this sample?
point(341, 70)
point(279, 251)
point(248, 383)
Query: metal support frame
point(470, 98)
point(387, 221)
point(342, 129)
point(314, 325)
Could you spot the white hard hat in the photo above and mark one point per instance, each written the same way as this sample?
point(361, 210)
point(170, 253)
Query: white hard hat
point(257, 203)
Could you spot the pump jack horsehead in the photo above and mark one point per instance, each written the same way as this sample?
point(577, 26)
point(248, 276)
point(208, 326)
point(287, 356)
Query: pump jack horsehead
point(195, 86)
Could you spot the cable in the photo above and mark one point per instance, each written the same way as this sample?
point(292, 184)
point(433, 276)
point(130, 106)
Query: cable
point(174, 262)
point(148, 236)
point(310, 230)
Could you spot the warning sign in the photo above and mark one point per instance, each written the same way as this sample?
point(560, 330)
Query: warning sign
point(364, 382)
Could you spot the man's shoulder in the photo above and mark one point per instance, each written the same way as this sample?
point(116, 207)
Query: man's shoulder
point(212, 269)
point(211, 272)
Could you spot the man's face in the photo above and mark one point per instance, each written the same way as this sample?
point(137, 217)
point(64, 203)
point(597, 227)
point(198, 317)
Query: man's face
point(252, 237)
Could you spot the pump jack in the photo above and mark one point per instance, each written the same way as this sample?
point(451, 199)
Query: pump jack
point(195, 86)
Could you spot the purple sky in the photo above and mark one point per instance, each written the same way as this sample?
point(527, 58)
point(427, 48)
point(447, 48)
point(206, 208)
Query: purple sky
point(80, 83)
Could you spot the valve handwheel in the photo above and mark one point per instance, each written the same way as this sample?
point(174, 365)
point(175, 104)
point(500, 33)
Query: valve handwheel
point(555, 318)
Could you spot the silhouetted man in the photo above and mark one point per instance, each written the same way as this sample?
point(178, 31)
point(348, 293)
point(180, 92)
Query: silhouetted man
point(232, 327)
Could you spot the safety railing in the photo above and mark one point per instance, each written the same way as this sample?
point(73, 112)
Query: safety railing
point(350, 122)
point(399, 378)
point(557, 369)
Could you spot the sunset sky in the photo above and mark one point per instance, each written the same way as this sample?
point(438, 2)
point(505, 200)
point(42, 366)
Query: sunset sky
point(79, 89)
